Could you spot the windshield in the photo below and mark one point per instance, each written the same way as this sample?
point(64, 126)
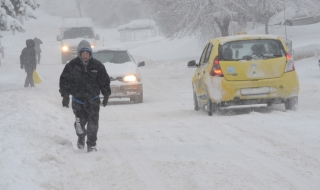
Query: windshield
point(117, 57)
point(73, 33)
point(251, 49)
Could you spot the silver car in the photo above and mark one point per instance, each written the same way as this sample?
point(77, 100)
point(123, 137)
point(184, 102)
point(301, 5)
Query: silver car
point(123, 71)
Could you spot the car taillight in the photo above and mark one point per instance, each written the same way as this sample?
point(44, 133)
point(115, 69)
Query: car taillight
point(289, 64)
point(216, 69)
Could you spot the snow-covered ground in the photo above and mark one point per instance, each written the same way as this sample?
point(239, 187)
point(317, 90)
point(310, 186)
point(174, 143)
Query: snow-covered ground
point(159, 144)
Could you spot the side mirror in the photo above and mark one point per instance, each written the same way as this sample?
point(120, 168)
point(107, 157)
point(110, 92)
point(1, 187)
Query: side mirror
point(58, 38)
point(97, 37)
point(192, 64)
point(140, 64)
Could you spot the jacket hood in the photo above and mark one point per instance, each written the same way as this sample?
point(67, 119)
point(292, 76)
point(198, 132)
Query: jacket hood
point(84, 46)
point(30, 43)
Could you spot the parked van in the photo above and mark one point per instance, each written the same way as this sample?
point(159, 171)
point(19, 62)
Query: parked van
point(72, 31)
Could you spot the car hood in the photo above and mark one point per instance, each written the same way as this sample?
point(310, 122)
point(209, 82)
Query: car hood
point(120, 70)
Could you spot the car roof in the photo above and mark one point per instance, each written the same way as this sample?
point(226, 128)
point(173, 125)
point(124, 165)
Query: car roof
point(112, 48)
point(77, 22)
point(226, 39)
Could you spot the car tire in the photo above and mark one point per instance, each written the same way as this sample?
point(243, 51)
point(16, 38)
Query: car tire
point(64, 59)
point(195, 101)
point(137, 99)
point(211, 106)
point(290, 103)
point(269, 104)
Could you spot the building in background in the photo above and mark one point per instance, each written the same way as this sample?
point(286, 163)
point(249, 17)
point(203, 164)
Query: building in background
point(138, 30)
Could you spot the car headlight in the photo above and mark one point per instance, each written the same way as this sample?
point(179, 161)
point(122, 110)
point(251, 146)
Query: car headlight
point(65, 48)
point(130, 78)
point(92, 45)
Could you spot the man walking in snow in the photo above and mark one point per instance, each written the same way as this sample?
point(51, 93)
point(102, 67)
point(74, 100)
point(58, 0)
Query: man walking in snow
point(37, 43)
point(28, 62)
point(83, 78)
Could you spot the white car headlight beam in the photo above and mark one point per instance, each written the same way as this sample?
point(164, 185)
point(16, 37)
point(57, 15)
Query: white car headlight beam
point(130, 78)
point(65, 48)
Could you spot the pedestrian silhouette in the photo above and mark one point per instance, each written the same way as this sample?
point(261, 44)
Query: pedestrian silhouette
point(37, 43)
point(28, 62)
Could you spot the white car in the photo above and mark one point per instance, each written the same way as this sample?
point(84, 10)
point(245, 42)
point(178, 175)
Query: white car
point(123, 72)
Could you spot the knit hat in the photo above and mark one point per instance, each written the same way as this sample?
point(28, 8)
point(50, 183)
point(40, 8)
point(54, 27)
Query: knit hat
point(84, 46)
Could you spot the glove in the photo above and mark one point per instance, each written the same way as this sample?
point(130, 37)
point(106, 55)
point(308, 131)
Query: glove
point(21, 66)
point(105, 101)
point(66, 100)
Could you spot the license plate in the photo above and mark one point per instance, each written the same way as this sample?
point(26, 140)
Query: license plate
point(255, 91)
point(115, 88)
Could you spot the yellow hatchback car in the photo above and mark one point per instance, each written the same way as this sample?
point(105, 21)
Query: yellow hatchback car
point(244, 70)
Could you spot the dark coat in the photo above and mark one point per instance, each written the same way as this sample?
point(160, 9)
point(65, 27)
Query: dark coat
point(84, 83)
point(28, 56)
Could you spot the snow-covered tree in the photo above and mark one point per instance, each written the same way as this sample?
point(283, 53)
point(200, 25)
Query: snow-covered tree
point(10, 10)
point(209, 18)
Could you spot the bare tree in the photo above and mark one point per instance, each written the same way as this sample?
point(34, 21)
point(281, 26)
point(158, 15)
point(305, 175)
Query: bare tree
point(78, 5)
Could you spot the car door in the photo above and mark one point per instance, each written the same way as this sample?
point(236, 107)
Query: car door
point(197, 75)
point(203, 71)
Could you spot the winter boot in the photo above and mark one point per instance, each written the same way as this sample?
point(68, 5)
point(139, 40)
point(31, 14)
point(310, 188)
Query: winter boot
point(92, 149)
point(81, 141)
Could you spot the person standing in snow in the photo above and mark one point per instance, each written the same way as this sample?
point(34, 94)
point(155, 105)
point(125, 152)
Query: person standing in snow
point(83, 78)
point(28, 62)
point(37, 42)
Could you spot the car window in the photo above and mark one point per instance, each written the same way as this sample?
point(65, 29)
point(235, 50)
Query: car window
point(117, 57)
point(203, 55)
point(206, 59)
point(251, 49)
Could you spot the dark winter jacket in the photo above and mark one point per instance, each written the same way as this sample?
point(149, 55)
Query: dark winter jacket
point(28, 56)
point(84, 81)
point(37, 43)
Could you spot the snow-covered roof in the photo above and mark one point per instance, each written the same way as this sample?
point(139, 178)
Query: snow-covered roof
point(77, 22)
point(246, 37)
point(138, 24)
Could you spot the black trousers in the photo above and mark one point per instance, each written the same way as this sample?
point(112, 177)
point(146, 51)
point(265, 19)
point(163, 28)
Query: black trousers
point(29, 79)
point(87, 120)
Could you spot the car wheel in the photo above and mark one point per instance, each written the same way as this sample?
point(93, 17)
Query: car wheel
point(64, 59)
point(211, 106)
point(290, 103)
point(137, 99)
point(195, 101)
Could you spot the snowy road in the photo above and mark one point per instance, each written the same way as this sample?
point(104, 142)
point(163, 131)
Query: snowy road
point(159, 144)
